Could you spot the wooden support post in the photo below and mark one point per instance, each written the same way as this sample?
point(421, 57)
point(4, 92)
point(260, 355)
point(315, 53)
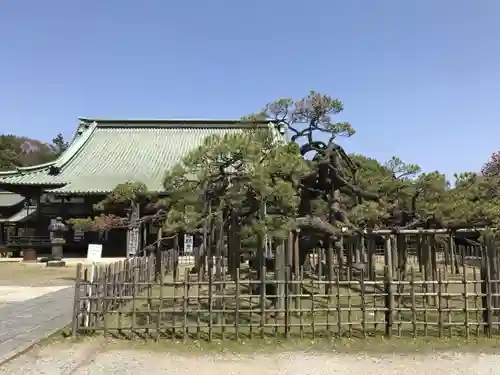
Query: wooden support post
point(279, 274)
point(370, 250)
point(236, 244)
point(389, 299)
point(426, 255)
point(451, 252)
point(261, 238)
point(434, 267)
point(401, 250)
point(297, 266)
point(388, 253)
point(493, 258)
point(219, 245)
point(329, 264)
point(419, 253)
point(357, 248)
point(319, 267)
point(402, 260)
point(486, 287)
point(395, 255)
point(158, 257)
point(362, 245)
point(289, 250)
point(349, 260)
point(133, 233)
point(230, 251)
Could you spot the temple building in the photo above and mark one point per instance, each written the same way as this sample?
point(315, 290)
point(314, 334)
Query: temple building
point(102, 154)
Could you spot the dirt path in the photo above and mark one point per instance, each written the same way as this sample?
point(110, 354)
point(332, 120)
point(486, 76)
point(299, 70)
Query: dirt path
point(81, 359)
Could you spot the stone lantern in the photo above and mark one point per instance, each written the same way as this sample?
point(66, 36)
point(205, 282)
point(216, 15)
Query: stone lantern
point(57, 241)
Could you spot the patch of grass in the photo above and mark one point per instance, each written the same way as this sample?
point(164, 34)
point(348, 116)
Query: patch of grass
point(18, 273)
point(370, 346)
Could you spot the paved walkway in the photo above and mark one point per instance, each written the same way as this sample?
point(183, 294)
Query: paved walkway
point(26, 317)
point(69, 261)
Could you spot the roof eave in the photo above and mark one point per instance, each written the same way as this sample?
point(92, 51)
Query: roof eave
point(160, 193)
point(63, 159)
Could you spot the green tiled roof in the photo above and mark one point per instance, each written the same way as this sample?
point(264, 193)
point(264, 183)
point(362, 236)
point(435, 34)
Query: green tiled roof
point(105, 153)
point(8, 199)
point(23, 214)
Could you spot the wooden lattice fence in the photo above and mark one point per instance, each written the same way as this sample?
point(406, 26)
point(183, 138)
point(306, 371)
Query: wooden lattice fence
point(140, 297)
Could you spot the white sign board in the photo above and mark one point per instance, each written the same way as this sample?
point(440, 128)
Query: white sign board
point(94, 252)
point(94, 255)
point(188, 243)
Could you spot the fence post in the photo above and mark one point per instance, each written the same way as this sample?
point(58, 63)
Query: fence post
point(76, 301)
point(279, 273)
point(158, 255)
point(453, 257)
point(486, 287)
point(389, 300)
point(287, 301)
point(494, 273)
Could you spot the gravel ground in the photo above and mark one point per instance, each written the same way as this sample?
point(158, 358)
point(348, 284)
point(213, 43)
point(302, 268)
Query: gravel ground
point(81, 359)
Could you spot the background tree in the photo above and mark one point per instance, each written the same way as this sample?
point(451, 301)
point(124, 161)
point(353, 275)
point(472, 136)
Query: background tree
point(492, 167)
point(306, 182)
point(23, 151)
point(59, 145)
point(231, 176)
point(9, 152)
point(116, 208)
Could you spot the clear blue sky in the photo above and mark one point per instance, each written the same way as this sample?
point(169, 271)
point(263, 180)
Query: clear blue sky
point(419, 79)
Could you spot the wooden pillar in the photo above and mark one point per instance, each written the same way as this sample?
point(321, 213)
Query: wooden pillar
point(218, 264)
point(236, 235)
point(230, 253)
point(175, 259)
point(329, 264)
point(350, 258)
point(319, 267)
point(297, 266)
point(289, 259)
point(357, 248)
point(395, 253)
point(371, 249)
point(158, 257)
point(362, 246)
point(289, 250)
point(340, 253)
point(401, 251)
point(451, 252)
point(203, 269)
point(420, 258)
point(388, 253)
point(493, 259)
point(434, 266)
point(389, 299)
point(133, 232)
point(279, 274)
point(262, 239)
point(426, 256)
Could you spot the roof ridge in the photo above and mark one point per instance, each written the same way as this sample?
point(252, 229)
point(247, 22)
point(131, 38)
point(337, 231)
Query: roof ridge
point(177, 123)
point(174, 120)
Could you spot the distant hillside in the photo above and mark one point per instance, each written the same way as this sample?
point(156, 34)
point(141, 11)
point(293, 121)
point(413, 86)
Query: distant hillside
point(23, 151)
